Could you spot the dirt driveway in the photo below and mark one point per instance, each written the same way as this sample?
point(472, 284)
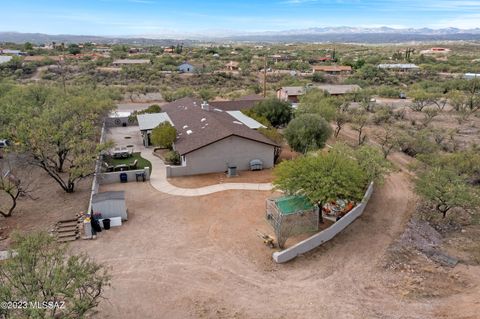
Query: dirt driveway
point(200, 258)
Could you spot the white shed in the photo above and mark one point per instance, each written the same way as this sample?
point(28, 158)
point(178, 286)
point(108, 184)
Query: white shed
point(110, 204)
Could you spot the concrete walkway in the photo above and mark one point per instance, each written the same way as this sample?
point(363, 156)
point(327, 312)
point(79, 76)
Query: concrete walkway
point(158, 179)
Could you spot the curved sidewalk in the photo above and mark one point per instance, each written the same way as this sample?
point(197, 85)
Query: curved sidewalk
point(158, 179)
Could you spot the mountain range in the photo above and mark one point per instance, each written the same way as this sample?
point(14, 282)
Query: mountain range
point(320, 34)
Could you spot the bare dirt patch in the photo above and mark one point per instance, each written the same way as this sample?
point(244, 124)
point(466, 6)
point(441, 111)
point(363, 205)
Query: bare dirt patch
point(201, 258)
point(263, 176)
point(49, 205)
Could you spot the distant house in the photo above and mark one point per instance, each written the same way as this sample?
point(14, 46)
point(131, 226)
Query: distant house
point(11, 52)
point(338, 89)
point(5, 58)
point(169, 50)
point(399, 67)
point(290, 93)
point(186, 68)
point(232, 66)
point(123, 62)
point(210, 140)
point(280, 58)
point(471, 76)
point(243, 103)
point(320, 59)
point(332, 69)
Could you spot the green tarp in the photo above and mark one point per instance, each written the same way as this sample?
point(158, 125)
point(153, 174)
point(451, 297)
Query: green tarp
point(292, 204)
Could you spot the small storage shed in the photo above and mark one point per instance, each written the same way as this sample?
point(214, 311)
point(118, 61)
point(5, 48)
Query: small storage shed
point(110, 204)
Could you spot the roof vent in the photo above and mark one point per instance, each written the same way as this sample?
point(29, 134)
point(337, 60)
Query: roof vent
point(205, 106)
point(189, 132)
point(203, 120)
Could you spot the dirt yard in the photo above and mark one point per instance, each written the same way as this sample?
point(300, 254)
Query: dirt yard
point(183, 258)
point(263, 176)
point(49, 203)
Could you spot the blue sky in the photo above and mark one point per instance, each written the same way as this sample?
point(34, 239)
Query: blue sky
point(216, 17)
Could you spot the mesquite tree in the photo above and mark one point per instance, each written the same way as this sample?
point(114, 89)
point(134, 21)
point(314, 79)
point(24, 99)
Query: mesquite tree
point(59, 130)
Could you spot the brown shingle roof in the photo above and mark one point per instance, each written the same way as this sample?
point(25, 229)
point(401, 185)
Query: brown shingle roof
point(197, 128)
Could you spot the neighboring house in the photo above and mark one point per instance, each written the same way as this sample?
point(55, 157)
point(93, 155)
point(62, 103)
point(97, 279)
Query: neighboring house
point(102, 50)
point(280, 58)
point(399, 67)
point(338, 89)
point(436, 50)
point(169, 50)
point(186, 68)
point(332, 69)
point(147, 122)
point(5, 58)
point(122, 62)
point(471, 76)
point(290, 93)
point(232, 66)
point(210, 140)
point(11, 52)
point(243, 103)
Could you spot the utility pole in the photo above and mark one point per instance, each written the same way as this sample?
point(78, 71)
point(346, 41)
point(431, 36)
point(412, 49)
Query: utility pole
point(265, 78)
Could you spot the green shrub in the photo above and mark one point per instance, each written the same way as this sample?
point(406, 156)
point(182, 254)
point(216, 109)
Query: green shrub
point(172, 158)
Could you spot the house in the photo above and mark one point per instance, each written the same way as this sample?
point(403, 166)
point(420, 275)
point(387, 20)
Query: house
point(11, 52)
point(290, 93)
point(332, 69)
point(281, 58)
point(169, 50)
point(399, 67)
point(147, 122)
point(471, 76)
point(211, 140)
point(320, 59)
point(5, 58)
point(122, 62)
point(243, 103)
point(338, 89)
point(232, 66)
point(186, 68)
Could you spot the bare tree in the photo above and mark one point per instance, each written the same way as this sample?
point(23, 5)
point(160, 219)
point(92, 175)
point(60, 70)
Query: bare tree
point(360, 119)
point(429, 114)
point(13, 188)
point(388, 140)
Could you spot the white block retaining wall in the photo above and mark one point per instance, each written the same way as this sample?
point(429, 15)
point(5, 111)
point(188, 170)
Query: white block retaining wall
point(326, 234)
point(114, 177)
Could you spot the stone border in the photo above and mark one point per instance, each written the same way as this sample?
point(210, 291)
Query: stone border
point(326, 234)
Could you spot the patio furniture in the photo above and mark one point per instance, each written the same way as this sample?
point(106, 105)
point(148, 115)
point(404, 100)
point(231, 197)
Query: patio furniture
point(140, 177)
point(256, 165)
point(134, 164)
point(121, 152)
point(121, 167)
point(108, 167)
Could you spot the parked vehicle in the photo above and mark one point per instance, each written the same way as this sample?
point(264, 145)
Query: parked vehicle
point(4, 143)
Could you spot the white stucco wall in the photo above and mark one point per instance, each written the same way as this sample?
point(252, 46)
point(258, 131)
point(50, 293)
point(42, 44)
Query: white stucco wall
point(325, 235)
point(217, 156)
